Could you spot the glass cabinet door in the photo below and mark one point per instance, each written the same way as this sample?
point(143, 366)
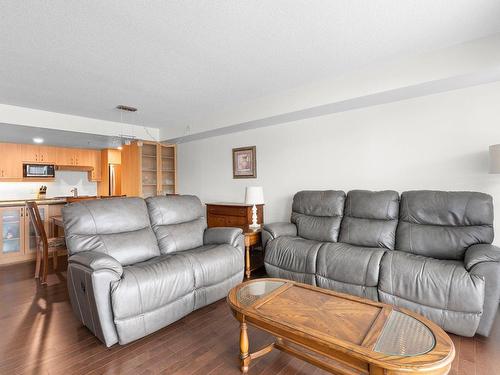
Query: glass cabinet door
point(11, 222)
point(167, 170)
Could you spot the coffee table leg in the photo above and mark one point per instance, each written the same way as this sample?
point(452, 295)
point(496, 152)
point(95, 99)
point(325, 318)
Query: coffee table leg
point(247, 261)
point(244, 356)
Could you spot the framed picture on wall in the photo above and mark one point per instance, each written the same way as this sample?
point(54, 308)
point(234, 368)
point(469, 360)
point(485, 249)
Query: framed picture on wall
point(244, 162)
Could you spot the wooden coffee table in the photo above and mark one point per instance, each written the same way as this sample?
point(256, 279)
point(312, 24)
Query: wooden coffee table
point(337, 332)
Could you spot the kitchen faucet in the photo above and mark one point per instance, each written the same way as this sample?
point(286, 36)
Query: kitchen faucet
point(75, 192)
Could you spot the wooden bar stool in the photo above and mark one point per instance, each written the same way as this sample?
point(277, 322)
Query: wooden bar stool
point(44, 246)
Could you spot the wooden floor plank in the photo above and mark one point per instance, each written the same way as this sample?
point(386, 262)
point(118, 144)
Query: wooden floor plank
point(40, 335)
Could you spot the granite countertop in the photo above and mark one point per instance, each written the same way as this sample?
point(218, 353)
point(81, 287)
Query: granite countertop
point(22, 202)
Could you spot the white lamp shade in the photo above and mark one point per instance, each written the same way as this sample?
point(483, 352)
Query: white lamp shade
point(495, 159)
point(254, 195)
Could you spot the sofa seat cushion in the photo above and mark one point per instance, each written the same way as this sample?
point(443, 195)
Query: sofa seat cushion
point(349, 269)
point(441, 290)
point(213, 264)
point(292, 258)
point(147, 286)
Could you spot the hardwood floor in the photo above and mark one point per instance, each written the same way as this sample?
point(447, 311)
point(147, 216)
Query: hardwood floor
point(40, 335)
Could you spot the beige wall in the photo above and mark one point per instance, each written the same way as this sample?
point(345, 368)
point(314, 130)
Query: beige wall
point(434, 142)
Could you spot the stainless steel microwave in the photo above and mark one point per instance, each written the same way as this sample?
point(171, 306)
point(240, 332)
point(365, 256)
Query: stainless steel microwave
point(39, 170)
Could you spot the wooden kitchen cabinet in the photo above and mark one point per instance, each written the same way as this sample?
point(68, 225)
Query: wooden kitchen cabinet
point(12, 229)
point(17, 234)
point(10, 163)
point(84, 157)
point(74, 156)
point(95, 163)
point(38, 154)
point(14, 155)
point(64, 156)
point(47, 154)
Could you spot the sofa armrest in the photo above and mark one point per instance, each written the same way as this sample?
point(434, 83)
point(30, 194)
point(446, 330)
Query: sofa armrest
point(481, 253)
point(275, 230)
point(96, 261)
point(222, 235)
point(281, 229)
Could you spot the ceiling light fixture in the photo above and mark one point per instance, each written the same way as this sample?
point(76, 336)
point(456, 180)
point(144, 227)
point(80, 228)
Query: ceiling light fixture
point(38, 140)
point(127, 108)
point(125, 140)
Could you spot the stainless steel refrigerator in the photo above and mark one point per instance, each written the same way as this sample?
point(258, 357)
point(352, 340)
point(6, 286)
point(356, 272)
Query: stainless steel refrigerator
point(115, 186)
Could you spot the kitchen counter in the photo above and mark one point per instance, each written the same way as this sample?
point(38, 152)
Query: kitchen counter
point(53, 200)
point(22, 202)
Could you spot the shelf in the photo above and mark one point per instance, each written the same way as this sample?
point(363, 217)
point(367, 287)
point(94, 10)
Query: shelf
point(11, 239)
point(168, 157)
point(11, 251)
point(149, 184)
point(148, 156)
point(168, 170)
point(149, 170)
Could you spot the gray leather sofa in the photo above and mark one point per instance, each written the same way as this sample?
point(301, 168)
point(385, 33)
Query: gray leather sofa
point(137, 265)
point(429, 251)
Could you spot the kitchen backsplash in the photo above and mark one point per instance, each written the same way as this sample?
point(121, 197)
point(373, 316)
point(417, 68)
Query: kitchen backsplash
point(64, 182)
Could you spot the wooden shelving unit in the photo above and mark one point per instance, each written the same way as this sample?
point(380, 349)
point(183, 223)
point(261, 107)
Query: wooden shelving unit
point(149, 169)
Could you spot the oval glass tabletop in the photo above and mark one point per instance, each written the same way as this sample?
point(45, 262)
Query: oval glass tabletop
point(404, 335)
point(252, 291)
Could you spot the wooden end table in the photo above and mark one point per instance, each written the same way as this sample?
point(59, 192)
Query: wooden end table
point(252, 237)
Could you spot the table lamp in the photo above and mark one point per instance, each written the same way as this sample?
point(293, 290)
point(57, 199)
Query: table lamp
point(495, 159)
point(254, 195)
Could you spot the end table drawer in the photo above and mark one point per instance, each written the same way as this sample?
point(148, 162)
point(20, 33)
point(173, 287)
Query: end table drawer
point(224, 210)
point(232, 215)
point(226, 221)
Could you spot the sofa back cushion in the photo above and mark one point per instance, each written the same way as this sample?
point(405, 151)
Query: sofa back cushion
point(317, 214)
point(178, 222)
point(443, 225)
point(370, 218)
point(119, 227)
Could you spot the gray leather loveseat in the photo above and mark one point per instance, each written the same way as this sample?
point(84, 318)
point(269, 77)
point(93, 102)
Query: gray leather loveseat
point(138, 265)
point(429, 251)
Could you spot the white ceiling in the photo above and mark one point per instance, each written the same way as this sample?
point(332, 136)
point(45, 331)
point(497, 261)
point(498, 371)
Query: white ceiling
point(179, 60)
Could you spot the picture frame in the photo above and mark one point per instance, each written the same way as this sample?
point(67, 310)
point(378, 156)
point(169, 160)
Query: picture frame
point(245, 162)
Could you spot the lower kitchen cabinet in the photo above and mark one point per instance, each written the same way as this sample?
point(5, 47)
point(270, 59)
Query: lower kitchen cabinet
point(12, 225)
point(18, 238)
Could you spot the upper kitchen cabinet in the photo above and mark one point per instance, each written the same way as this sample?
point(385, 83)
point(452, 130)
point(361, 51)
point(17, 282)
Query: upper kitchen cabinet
point(38, 154)
point(10, 162)
point(73, 157)
point(79, 159)
point(66, 156)
point(95, 162)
